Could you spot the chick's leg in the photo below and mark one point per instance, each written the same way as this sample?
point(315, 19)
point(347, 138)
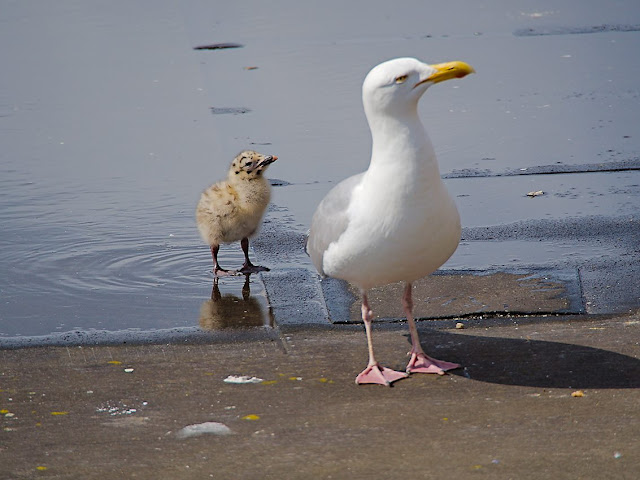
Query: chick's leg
point(249, 267)
point(218, 271)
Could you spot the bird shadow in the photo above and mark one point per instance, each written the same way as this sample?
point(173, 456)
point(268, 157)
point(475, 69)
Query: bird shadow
point(533, 363)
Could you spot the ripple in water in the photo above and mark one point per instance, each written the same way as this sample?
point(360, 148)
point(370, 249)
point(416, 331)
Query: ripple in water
point(72, 264)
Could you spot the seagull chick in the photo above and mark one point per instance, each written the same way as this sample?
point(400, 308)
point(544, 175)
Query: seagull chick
point(396, 221)
point(232, 209)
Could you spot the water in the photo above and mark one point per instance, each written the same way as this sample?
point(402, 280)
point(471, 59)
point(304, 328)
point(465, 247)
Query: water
point(109, 136)
point(100, 173)
point(87, 261)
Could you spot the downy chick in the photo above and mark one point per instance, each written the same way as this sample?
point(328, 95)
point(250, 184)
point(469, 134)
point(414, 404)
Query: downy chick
point(232, 209)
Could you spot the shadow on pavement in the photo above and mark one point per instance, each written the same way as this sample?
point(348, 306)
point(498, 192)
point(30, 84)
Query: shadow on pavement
point(533, 363)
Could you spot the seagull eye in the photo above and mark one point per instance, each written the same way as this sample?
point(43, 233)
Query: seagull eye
point(402, 78)
point(248, 164)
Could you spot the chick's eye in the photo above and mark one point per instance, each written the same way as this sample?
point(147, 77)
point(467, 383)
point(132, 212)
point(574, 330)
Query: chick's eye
point(248, 164)
point(402, 78)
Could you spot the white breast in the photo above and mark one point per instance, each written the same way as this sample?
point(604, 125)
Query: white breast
point(403, 225)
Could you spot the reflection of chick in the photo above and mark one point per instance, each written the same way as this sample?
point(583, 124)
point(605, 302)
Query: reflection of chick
point(227, 311)
point(232, 209)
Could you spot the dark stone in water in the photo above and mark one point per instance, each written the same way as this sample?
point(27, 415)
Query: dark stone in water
point(541, 31)
point(276, 182)
point(218, 46)
point(229, 110)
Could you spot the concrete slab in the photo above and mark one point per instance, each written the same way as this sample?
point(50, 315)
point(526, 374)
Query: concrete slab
point(460, 295)
point(536, 399)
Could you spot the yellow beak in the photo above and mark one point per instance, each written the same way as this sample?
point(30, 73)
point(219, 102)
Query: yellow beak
point(447, 71)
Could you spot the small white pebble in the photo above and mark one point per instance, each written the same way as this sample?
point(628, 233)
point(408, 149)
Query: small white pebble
point(128, 370)
point(211, 428)
point(242, 379)
point(459, 325)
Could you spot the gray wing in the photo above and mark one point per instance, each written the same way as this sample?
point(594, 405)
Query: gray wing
point(330, 219)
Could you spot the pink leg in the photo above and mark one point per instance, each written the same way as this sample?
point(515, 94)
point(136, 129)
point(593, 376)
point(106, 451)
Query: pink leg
point(421, 362)
point(374, 373)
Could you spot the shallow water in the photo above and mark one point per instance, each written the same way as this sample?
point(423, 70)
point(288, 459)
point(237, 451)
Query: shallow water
point(78, 265)
point(111, 125)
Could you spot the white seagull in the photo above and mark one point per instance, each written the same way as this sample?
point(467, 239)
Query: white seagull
point(396, 221)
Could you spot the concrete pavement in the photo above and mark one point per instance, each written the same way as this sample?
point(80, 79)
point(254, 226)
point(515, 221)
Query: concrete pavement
point(115, 411)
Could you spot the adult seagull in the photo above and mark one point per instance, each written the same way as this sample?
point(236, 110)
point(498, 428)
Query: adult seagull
point(396, 221)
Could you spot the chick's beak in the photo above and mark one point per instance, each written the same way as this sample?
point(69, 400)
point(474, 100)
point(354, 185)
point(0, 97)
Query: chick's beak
point(269, 159)
point(447, 71)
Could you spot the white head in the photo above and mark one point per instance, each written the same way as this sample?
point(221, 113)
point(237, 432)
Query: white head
point(395, 86)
